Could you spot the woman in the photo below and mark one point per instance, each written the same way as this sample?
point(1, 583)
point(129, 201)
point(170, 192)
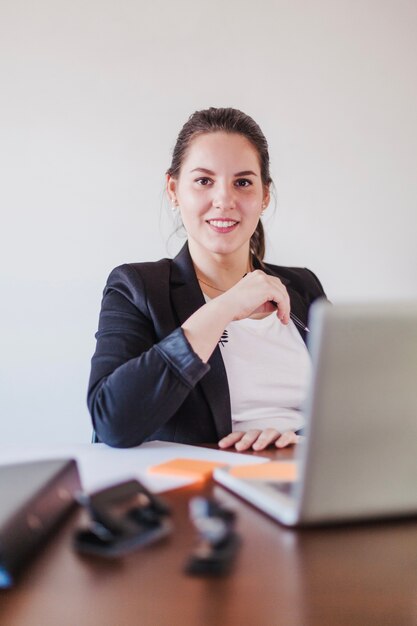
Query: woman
point(202, 348)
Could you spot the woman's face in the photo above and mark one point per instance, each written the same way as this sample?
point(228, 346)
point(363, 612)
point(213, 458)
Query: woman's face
point(220, 193)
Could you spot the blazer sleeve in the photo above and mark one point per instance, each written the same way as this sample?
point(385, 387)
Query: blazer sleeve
point(137, 381)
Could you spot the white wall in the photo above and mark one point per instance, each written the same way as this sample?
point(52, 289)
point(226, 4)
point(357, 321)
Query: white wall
point(93, 94)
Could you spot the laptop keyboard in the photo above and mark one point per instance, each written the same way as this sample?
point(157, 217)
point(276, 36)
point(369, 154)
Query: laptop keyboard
point(284, 487)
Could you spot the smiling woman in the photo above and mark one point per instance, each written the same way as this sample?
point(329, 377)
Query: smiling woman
point(202, 348)
point(220, 192)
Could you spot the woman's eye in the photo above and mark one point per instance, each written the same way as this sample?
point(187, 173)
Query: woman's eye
point(203, 181)
point(243, 182)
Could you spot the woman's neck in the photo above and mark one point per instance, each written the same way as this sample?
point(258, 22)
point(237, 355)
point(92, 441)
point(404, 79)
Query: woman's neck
point(220, 271)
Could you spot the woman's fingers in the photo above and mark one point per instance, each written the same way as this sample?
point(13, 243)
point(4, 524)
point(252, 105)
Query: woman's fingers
point(247, 440)
point(267, 436)
point(231, 439)
point(284, 307)
point(276, 294)
point(258, 292)
point(239, 439)
point(286, 439)
point(259, 439)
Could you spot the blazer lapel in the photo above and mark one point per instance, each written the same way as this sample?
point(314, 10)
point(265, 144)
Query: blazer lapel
point(187, 297)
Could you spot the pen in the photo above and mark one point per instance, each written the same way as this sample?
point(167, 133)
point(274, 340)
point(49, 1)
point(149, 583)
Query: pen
point(295, 319)
point(299, 322)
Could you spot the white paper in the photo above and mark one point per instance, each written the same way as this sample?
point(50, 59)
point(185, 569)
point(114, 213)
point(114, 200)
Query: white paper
point(101, 466)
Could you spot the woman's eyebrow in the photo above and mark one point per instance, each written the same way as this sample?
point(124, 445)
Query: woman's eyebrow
point(202, 169)
point(206, 171)
point(246, 173)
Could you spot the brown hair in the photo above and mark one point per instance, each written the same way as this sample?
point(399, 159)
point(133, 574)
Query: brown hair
point(230, 121)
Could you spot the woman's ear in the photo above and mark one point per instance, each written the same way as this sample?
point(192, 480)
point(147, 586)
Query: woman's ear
point(267, 196)
point(171, 188)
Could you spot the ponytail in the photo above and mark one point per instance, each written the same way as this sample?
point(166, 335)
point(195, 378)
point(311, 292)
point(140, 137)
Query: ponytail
point(257, 244)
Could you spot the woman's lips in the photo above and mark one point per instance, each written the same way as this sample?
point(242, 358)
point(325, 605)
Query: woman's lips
point(222, 226)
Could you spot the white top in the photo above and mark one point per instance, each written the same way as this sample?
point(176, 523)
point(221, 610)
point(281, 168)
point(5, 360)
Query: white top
point(268, 369)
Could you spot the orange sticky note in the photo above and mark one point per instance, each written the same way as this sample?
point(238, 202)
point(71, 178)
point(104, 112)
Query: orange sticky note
point(191, 468)
point(274, 470)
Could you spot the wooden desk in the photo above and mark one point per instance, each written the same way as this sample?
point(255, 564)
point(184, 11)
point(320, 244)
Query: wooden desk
point(355, 576)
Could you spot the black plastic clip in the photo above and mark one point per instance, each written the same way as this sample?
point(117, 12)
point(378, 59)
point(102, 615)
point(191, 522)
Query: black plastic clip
point(123, 517)
point(218, 541)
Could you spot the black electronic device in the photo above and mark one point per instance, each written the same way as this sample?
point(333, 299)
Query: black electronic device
point(34, 498)
point(123, 517)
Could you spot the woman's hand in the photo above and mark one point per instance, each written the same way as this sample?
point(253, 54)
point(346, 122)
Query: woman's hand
point(258, 439)
point(258, 292)
point(254, 293)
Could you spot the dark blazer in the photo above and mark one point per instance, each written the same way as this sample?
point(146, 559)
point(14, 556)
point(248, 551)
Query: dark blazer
point(146, 381)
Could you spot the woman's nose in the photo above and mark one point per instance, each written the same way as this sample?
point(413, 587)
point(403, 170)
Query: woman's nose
point(224, 199)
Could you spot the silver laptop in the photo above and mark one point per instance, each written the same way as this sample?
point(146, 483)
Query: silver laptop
point(359, 458)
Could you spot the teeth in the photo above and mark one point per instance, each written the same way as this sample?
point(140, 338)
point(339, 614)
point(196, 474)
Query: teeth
point(222, 223)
